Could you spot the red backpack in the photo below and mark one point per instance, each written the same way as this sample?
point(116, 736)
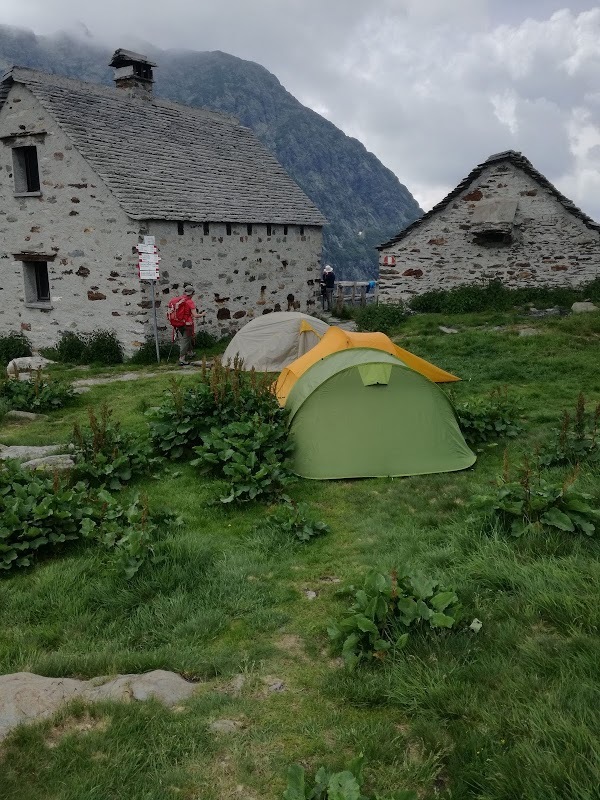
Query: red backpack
point(177, 311)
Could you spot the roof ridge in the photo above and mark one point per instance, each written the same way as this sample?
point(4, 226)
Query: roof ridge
point(519, 160)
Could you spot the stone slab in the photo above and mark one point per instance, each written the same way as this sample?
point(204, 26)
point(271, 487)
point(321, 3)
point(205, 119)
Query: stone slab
point(28, 452)
point(583, 308)
point(26, 698)
point(26, 364)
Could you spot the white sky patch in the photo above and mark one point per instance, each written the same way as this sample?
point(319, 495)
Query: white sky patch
point(505, 109)
point(429, 196)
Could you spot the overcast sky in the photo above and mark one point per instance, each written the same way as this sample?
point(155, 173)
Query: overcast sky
point(432, 87)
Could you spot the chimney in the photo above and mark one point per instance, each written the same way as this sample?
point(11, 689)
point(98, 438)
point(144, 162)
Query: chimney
point(133, 73)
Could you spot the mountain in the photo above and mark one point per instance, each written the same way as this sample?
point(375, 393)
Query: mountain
point(364, 201)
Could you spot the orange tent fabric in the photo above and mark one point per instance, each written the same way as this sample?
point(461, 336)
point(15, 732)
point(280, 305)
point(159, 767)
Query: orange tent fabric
point(336, 339)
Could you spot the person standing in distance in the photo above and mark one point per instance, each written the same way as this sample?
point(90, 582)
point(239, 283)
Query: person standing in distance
point(327, 284)
point(182, 314)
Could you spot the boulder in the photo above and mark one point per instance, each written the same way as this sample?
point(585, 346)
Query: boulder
point(26, 364)
point(57, 463)
point(584, 307)
point(25, 697)
point(28, 452)
point(444, 329)
point(28, 416)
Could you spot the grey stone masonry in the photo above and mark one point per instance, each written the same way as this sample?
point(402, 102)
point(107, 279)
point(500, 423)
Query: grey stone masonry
point(75, 228)
point(505, 221)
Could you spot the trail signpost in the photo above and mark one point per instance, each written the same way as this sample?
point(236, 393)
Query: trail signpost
point(148, 261)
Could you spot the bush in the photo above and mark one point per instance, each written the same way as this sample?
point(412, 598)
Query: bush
point(97, 347)
point(37, 394)
point(527, 502)
point(294, 520)
point(489, 418)
point(495, 296)
point(384, 317)
point(385, 610)
point(4, 408)
point(103, 347)
point(577, 439)
point(41, 513)
point(104, 455)
point(328, 785)
point(252, 455)
point(13, 345)
point(146, 354)
point(222, 394)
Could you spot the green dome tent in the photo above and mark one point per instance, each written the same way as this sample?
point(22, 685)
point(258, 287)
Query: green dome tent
point(362, 413)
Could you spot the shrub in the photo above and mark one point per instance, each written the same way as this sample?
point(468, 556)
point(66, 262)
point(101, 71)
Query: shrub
point(97, 347)
point(104, 455)
point(71, 348)
point(385, 610)
point(252, 455)
point(40, 513)
point(13, 345)
point(488, 418)
point(328, 785)
point(527, 502)
point(4, 408)
point(221, 395)
point(384, 317)
point(146, 354)
point(103, 347)
point(37, 394)
point(294, 520)
point(495, 296)
point(577, 439)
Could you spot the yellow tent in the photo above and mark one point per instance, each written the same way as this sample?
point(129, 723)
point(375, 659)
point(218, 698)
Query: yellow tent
point(336, 339)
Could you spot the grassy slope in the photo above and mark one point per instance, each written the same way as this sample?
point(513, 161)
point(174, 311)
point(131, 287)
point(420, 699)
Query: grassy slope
point(510, 712)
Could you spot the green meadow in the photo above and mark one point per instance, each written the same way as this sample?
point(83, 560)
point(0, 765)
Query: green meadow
point(511, 711)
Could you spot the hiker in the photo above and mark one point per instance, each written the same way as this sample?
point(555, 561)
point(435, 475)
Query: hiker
point(182, 313)
point(327, 284)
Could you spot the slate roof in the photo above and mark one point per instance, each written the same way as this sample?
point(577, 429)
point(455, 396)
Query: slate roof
point(518, 160)
point(166, 161)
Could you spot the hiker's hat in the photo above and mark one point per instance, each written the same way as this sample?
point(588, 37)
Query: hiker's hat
point(328, 269)
point(189, 290)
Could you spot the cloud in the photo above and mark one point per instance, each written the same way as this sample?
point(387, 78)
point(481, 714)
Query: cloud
point(431, 87)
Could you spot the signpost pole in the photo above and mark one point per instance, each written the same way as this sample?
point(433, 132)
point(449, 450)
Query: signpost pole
point(152, 284)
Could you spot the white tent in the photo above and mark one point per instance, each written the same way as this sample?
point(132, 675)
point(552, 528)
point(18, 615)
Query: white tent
point(273, 341)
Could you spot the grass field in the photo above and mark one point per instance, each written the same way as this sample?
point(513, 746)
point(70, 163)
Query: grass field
point(510, 712)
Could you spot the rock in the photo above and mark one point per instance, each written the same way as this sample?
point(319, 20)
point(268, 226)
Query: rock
point(25, 415)
point(57, 463)
point(81, 389)
point(553, 312)
point(444, 329)
point(529, 332)
point(310, 594)
point(26, 364)
point(29, 453)
point(25, 697)
point(225, 726)
point(582, 308)
point(274, 685)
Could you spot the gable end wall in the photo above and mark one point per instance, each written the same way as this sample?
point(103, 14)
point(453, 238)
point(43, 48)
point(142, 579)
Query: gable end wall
point(550, 246)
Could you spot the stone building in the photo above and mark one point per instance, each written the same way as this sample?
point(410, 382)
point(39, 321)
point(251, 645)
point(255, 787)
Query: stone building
point(86, 171)
point(504, 221)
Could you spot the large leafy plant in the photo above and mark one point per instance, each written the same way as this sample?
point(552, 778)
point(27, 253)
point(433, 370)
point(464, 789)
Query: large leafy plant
point(295, 520)
point(223, 394)
point(527, 502)
point(251, 455)
point(386, 609)
point(41, 513)
point(484, 419)
point(13, 345)
point(577, 440)
point(105, 455)
point(329, 785)
point(37, 394)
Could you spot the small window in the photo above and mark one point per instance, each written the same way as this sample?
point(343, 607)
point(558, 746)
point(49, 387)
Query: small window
point(301, 230)
point(285, 229)
point(492, 238)
point(206, 229)
point(249, 230)
point(180, 228)
point(228, 228)
point(26, 171)
point(269, 229)
point(37, 284)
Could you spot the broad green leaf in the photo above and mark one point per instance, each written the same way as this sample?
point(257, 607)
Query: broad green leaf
point(557, 519)
point(439, 620)
point(343, 786)
point(296, 789)
point(442, 600)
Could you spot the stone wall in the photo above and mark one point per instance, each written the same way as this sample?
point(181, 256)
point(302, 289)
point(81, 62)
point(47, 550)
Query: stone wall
point(550, 246)
point(89, 245)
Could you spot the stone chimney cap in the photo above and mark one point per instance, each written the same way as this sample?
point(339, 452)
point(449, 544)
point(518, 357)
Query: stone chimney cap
point(123, 58)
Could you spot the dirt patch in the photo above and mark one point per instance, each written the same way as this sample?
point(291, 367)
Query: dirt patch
point(292, 645)
point(76, 725)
